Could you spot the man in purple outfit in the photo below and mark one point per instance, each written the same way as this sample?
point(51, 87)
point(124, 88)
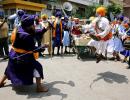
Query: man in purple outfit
point(21, 69)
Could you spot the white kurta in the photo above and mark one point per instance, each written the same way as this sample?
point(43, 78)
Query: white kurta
point(66, 38)
point(103, 24)
point(115, 44)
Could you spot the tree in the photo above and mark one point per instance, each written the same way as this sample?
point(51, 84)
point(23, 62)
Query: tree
point(90, 10)
point(115, 9)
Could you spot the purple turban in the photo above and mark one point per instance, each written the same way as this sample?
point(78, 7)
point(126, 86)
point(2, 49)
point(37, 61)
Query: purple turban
point(121, 18)
point(20, 13)
point(27, 20)
point(66, 18)
point(58, 14)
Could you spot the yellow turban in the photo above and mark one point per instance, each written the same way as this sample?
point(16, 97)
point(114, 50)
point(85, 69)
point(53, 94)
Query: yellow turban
point(91, 18)
point(53, 17)
point(44, 16)
point(101, 11)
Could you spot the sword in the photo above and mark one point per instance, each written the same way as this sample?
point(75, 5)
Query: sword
point(35, 50)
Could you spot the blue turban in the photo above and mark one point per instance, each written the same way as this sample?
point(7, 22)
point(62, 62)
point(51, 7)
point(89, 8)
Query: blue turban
point(58, 14)
point(27, 20)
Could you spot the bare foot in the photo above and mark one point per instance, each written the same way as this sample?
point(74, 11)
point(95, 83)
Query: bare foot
point(2, 84)
point(124, 60)
point(42, 89)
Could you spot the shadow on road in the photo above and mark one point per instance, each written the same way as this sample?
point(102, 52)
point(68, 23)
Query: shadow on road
point(87, 59)
point(59, 56)
point(30, 90)
point(111, 77)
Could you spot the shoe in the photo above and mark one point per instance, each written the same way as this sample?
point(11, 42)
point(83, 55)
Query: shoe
point(128, 67)
point(52, 53)
point(99, 58)
point(103, 57)
point(118, 58)
point(58, 54)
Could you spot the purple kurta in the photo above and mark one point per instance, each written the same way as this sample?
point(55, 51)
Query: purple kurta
point(20, 70)
point(57, 40)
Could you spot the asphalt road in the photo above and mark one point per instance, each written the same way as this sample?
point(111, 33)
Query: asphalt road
point(71, 79)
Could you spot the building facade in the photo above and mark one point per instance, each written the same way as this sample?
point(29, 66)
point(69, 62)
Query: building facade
point(38, 6)
point(126, 8)
point(30, 6)
point(78, 5)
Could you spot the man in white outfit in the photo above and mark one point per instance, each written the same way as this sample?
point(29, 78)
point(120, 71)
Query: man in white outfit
point(102, 32)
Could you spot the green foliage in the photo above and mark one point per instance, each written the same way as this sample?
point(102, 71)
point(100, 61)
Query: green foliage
point(114, 8)
point(90, 10)
point(77, 15)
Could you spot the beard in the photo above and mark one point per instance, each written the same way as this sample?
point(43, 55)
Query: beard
point(30, 30)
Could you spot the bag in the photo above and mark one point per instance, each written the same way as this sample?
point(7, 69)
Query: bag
point(126, 43)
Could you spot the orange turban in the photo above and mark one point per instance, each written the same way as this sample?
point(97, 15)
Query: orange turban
point(101, 11)
point(126, 25)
